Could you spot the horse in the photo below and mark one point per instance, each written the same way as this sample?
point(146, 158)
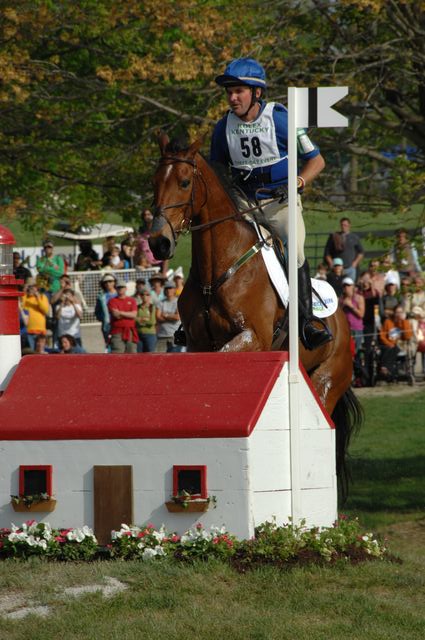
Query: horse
point(228, 302)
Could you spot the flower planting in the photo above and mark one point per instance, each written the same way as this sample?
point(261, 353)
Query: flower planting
point(272, 544)
point(39, 539)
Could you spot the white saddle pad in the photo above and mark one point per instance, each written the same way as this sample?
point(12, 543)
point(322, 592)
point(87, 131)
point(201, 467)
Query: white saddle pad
point(323, 306)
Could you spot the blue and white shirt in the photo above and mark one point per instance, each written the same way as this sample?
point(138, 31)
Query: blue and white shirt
point(257, 151)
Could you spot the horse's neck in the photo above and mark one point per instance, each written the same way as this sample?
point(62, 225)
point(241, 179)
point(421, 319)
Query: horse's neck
point(216, 248)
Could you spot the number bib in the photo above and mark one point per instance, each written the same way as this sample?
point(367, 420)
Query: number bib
point(253, 144)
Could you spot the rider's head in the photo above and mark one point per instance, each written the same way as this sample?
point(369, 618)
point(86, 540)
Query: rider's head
point(245, 73)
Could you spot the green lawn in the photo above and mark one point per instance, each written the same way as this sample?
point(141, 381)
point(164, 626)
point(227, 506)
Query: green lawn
point(378, 600)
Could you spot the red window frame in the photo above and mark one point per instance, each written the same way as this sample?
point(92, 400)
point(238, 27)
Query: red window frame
point(191, 467)
point(35, 467)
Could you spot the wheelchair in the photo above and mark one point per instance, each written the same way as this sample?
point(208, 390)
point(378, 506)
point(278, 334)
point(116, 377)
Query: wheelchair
point(403, 369)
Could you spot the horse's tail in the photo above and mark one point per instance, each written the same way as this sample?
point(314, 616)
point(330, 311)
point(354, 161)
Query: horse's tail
point(348, 417)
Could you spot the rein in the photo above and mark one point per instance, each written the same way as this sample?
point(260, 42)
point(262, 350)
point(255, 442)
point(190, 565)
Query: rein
point(208, 290)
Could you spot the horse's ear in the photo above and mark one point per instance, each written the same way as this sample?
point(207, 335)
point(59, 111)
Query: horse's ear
point(163, 140)
point(195, 146)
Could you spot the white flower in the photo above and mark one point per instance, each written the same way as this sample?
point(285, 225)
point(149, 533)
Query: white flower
point(148, 554)
point(160, 551)
point(79, 535)
point(42, 544)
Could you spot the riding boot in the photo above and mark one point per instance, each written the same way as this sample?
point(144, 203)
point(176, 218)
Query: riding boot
point(311, 336)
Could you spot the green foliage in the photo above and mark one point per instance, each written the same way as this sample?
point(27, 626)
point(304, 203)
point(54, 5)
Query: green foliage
point(86, 85)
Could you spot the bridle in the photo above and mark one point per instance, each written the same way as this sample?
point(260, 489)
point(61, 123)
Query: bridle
point(186, 223)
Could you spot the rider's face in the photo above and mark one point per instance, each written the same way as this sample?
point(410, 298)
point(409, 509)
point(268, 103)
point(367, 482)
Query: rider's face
point(239, 99)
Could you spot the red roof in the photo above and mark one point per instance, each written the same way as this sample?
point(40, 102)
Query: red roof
point(191, 395)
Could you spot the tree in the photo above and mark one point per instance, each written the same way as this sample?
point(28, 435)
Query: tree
point(85, 86)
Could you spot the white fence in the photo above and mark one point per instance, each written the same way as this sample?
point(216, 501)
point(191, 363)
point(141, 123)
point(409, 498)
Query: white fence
point(87, 285)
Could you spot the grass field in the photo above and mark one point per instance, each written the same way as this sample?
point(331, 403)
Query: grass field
point(377, 600)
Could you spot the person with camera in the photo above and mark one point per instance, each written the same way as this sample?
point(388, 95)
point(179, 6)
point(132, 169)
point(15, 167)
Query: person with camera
point(50, 268)
point(68, 316)
point(37, 305)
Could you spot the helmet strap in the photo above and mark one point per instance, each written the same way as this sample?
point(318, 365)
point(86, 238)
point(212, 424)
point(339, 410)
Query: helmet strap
point(254, 101)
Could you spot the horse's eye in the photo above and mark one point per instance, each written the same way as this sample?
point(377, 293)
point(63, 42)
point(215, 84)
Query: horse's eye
point(185, 183)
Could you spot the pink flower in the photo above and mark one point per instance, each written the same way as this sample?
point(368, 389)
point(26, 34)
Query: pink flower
point(60, 539)
point(199, 525)
point(29, 523)
point(175, 538)
point(141, 534)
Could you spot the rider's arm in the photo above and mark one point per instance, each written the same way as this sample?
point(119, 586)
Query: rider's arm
point(312, 168)
point(219, 151)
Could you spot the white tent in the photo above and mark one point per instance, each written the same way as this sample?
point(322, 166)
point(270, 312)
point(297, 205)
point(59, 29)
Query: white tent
point(96, 232)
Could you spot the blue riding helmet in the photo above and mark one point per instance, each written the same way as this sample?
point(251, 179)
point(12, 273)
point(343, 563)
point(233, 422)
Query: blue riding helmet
point(246, 71)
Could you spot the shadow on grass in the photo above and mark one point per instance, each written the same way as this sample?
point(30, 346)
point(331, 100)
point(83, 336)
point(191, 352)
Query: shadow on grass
point(387, 484)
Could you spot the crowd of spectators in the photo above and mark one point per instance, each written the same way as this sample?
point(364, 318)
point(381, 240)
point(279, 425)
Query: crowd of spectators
point(384, 304)
point(50, 309)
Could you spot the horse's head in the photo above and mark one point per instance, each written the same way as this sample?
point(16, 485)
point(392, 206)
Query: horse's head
point(175, 196)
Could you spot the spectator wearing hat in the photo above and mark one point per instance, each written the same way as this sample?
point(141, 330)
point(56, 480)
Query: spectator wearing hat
point(157, 288)
point(178, 278)
point(336, 276)
point(168, 320)
point(140, 288)
point(146, 323)
point(37, 305)
point(122, 312)
point(353, 306)
point(50, 268)
point(345, 245)
point(101, 310)
point(390, 299)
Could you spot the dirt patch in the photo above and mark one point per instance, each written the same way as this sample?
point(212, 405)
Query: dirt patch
point(393, 389)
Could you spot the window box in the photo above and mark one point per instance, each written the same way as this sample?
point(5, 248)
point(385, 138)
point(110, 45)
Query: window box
point(39, 506)
point(188, 506)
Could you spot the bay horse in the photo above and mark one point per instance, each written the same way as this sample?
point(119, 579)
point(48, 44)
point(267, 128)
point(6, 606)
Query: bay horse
point(228, 302)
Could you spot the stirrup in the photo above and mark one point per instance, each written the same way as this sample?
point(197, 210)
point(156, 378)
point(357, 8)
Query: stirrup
point(318, 337)
point(180, 337)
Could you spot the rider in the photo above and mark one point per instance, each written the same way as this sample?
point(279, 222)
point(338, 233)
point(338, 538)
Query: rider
point(252, 139)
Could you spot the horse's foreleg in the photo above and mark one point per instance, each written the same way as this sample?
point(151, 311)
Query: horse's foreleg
point(247, 340)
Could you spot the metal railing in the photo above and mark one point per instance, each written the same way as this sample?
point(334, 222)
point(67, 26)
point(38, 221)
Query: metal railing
point(86, 285)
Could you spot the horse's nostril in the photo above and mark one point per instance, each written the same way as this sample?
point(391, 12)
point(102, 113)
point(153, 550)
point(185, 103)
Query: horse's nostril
point(160, 247)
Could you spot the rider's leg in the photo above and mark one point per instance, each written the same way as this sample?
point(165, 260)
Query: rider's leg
point(311, 336)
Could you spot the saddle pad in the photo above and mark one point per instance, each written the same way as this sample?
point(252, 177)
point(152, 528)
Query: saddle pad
point(280, 283)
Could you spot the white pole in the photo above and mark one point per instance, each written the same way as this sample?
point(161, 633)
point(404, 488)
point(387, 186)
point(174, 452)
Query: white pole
point(294, 373)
